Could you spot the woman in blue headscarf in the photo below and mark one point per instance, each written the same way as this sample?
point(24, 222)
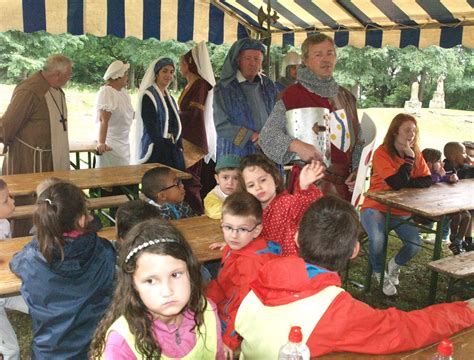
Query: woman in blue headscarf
point(158, 127)
point(243, 99)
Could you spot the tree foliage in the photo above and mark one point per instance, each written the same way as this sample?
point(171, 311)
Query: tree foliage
point(383, 76)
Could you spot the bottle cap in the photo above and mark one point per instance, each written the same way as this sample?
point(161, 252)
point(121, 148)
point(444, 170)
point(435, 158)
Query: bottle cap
point(295, 334)
point(445, 348)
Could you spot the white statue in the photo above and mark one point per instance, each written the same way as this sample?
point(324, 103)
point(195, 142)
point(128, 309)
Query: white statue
point(438, 97)
point(413, 106)
point(440, 85)
point(414, 91)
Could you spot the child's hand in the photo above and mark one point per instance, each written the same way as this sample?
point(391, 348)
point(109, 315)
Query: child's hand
point(228, 353)
point(453, 178)
point(439, 169)
point(470, 302)
point(217, 246)
point(312, 172)
point(351, 180)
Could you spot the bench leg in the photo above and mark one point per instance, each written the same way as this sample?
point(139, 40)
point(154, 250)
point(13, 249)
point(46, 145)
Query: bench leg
point(436, 256)
point(368, 277)
point(450, 289)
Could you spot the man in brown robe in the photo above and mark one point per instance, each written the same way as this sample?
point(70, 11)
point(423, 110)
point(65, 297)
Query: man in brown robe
point(34, 126)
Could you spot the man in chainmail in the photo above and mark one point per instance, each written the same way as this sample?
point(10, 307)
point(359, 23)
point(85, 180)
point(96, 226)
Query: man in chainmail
point(316, 87)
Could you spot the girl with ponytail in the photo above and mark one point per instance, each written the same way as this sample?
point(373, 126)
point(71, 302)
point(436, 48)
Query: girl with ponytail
point(67, 275)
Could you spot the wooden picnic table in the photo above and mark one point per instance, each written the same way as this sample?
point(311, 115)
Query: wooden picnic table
point(463, 345)
point(76, 147)
point(79, 146)
point(436, 202)
point(25, 184)
point(199, 231)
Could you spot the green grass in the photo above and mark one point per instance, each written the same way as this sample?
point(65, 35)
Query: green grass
point(436, 128)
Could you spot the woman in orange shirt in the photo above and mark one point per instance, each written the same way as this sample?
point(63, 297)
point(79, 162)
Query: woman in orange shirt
point(397, 164)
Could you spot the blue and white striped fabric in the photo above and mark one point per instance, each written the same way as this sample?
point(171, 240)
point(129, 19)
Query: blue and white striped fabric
point(360, 23)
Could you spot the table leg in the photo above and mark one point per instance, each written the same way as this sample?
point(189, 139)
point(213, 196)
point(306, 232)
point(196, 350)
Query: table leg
point(436, 256)
point(78, 160)
point(89, 159)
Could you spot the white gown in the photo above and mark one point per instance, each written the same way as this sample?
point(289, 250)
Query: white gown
point(120, 105)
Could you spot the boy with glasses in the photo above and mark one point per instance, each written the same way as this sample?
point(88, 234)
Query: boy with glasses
point(163, 189)
point(244, 253)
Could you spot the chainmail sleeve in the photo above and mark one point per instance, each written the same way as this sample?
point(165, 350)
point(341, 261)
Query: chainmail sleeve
point(274, 139)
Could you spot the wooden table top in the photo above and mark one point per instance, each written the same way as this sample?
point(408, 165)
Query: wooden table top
point(82, 145)
point(463, 345)
point(459, 266)
point(437, 200)
point(25, 184)
point(199, 231)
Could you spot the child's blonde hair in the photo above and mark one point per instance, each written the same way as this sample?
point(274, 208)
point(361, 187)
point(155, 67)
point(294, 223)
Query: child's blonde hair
point(42, 186)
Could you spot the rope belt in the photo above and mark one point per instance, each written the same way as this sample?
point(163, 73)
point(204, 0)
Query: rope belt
point(36, 150)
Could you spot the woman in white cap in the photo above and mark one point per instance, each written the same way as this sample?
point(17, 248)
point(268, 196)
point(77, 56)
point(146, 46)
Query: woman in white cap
point(114, 116)
point(199, 132)
point(157, 136)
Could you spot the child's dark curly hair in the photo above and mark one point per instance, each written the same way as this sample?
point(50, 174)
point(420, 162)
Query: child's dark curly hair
point(266, 165)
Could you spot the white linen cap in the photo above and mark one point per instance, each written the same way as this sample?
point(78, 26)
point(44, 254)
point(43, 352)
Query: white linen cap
point(116, 70)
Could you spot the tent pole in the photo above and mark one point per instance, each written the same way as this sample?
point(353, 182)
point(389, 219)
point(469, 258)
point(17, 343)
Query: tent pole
point(269, 19)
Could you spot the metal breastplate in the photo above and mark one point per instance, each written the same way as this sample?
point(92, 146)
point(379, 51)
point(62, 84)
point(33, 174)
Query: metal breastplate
point(311, 125)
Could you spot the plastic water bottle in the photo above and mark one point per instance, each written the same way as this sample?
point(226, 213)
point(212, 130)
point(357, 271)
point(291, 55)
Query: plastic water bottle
point(294, 349)
point(445, 351)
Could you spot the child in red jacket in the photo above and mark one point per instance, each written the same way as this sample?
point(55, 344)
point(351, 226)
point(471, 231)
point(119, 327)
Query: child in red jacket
point(244, 254)
point(306, 292)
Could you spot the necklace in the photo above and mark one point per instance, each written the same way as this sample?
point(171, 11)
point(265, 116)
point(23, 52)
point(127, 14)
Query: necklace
point(62, 120)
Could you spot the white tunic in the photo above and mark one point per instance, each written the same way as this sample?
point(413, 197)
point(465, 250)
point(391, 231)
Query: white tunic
point(119, 104)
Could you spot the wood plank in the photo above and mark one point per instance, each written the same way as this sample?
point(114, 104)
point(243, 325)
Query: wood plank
point(459, 266)
point(435, 201)
point(199, 231)
point(82, 146)
point(463, 345)
point(25, 184)
point(27, 211)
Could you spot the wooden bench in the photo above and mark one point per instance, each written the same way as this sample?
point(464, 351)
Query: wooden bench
point(199, 231)
point(458, 267)
point(27, 211)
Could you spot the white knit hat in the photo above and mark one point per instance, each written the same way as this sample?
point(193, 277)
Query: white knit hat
point(116, 70)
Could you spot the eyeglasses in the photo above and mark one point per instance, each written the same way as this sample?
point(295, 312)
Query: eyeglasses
point(179, 182)
point(239, 231)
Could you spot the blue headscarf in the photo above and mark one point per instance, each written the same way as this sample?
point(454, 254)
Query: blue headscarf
point(162, 63)
point(230, 67)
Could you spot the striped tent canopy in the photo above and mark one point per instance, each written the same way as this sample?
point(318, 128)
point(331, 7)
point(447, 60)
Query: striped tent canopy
point(360, 23)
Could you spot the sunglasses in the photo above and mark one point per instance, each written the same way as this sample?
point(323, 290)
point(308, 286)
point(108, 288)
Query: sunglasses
point(179, 182)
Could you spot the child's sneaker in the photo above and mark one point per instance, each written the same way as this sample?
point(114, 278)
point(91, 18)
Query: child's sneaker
point(388, 288)
point(456, 247)
point(393, 271)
